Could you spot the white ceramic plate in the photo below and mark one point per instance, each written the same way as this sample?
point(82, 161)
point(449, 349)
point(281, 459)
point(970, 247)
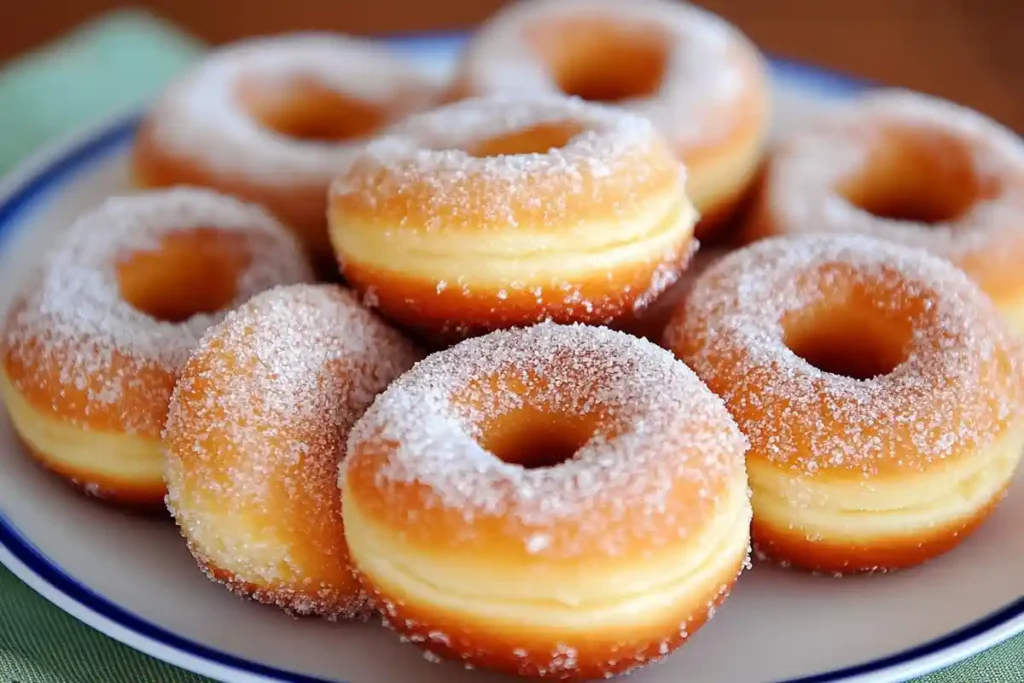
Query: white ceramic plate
point(133, 579)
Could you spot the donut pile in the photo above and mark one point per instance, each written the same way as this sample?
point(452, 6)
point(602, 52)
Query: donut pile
point(529, 363)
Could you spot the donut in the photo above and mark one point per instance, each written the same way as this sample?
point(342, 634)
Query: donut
point(93, 344)
point(911, 169)
point(255, 430)
point(701, 81)
point(503, 212)
point(270, 120)
point(881, 392)
point(557, 501)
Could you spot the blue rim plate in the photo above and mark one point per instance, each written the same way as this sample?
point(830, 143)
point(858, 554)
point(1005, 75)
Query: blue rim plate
point(43, 176)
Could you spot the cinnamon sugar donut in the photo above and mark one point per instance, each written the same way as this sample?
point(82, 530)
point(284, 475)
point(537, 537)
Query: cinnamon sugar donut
point(272, 119)
point(880, 390)
point(501, 212)
point(912, 169)
point(701, 81)
point(562, 502)
point(257, 425)
point(92, 346)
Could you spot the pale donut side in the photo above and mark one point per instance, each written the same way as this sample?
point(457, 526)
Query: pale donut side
point(588, 567)
point(257, 425)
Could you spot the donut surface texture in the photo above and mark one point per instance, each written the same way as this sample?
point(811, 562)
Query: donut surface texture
point(93, 343)
point(881, 392)
point(257, 425)
point(911, 169)
point(563, 502)
point(498, 212)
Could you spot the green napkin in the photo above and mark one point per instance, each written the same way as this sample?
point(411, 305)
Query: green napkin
point(110, 64)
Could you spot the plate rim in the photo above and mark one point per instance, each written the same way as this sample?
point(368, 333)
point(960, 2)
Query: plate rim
point(81, 147)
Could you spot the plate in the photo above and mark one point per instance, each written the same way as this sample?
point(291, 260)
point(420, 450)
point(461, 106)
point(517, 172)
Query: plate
point(133, 579)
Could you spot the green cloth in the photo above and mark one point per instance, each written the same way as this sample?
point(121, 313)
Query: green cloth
point(114, 62)
point(108, 65)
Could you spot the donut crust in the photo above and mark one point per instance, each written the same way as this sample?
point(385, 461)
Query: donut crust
point(880, 389)
point(534, 565)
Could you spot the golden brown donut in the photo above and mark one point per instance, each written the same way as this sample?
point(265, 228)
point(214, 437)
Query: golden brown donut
point(701, 81)
point(563, 502)
point(271, 119)
point(501, 212)
point(257, 425)
point(912, 169)
point(93, 344)
point(881, 392)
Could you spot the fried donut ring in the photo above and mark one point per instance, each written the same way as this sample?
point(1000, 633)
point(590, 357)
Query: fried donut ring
point(562, 502)
point(256, 427)
point(912, 169)
point(93, 345)
point(496, 213)
point(701, 81)
point(880, 390)
point(271, 120)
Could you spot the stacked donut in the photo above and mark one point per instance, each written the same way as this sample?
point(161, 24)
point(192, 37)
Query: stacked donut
point(451, 354)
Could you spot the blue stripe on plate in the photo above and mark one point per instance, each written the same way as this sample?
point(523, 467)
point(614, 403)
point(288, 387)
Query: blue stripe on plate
point(88, 152)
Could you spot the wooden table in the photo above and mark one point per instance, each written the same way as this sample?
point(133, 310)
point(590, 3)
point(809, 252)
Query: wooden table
point(971, 51)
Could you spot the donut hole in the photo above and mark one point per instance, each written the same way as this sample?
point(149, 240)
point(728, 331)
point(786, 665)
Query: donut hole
point(538, 139)
point(302, 108)
point(848, 338)
point(532, 439)
point(191, 272)
point(602, 61)
point(918, 175)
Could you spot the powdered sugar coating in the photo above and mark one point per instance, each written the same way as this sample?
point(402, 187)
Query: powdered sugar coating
point(452, 244)
point(430, 149)
point(663, 453)
point(814, 159)
point(201, 116)
point(710, 65)
point(957, 389)
point(73, 313)
point(257, 425)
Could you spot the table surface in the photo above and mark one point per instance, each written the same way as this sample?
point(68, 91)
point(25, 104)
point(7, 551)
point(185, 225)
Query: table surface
point(970, 51)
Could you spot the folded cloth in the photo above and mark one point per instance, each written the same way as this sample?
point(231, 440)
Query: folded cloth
point(113, 63)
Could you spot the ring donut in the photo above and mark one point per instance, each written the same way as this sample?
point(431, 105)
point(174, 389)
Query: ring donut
point(912, 169)
point(881, 392)
point(271, 119)
point(563, 502)
point(256, 427)
point(701, 81)
point(92, 346)
point(503, 212)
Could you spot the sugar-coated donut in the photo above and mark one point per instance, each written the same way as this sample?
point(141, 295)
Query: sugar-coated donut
point(501, 212)
point(93, 344)
point(271, 119)
point(908, 168)
point(701, 81)
point(566, 502)
point(881, 392)
point(257, 425)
